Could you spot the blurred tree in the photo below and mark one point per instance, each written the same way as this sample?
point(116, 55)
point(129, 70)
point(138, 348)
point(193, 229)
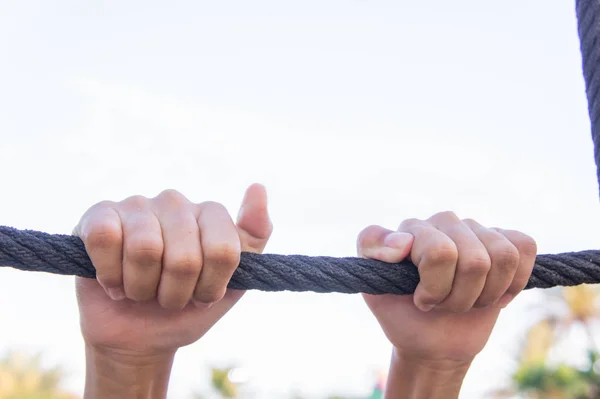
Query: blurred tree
point(222, 384)
point(536, 377)
point(24, 377)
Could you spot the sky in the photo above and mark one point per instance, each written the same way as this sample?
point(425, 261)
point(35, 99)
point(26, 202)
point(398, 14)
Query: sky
point(351, 113)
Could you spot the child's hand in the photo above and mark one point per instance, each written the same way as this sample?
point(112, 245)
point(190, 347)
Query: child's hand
point(163, 265)
point(468, 274)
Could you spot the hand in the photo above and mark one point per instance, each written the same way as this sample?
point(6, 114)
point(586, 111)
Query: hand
point(468, 273)
point(163, 265)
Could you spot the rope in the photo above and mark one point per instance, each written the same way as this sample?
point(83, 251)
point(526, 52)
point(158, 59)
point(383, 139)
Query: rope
point(588, 16)
point(62, 254)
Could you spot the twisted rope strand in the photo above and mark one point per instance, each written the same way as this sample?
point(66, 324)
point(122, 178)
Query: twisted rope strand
point(62, 254)
point(588, 17)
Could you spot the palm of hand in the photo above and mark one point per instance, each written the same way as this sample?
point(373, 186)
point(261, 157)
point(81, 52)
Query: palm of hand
point(139, 327)
point(434, 335)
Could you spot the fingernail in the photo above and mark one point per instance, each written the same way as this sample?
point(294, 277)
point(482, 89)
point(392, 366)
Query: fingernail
point(397, 240)
point(116, 294)
point(505, 300)
point(426, 307)
point(203, 305)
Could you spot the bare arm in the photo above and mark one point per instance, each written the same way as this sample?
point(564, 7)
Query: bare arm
point(121, 376)
point(414, 379)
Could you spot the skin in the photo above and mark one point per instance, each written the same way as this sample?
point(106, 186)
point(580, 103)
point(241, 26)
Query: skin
point(163, 265)
point(468, 274)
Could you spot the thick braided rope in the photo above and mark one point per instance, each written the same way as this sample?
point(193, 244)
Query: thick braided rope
point(588, 16)
point(62, 254)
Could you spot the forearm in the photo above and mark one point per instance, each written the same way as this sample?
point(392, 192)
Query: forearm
point(117, 376)
point(415, 379)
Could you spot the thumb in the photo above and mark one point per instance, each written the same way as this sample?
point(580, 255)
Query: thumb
point(376, 242)
point(253, 222)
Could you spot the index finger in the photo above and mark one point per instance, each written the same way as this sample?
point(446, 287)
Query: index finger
point(101, 231)
point(435, 256)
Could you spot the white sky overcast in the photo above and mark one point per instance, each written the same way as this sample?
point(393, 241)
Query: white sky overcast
point(350, 112)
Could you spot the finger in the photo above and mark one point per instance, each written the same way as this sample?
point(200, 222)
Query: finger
point(142, 248)
point(473, 265)
point(376, 242)
point(527, 248)
point(505, 261)
point(435, 256)
point(101, 232)
point(253, 222)
point(182, 255)
point(221, 250)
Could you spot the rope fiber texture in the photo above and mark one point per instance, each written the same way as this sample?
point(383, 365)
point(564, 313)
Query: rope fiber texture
point(62, 254)
point(588, 17)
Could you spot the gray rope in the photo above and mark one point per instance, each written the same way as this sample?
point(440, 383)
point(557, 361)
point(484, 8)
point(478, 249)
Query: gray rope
point(588, 16)
point(62, 254)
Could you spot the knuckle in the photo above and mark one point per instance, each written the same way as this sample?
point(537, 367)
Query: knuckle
point(224, 253)
point(184, 268)
point(172, 196)
point(146, 251)
point(527, 246)
point(104, 235)
point(99, 207)
point(447, 216)
point(471, 223)
point(456, 230)
point(478, 263)
point(366, 235)
point(209, 295)
point(136, 201)
point(524, 243)
point(103, 205)
point(505, 256)
point(442, 254)
point(213, 205)
point(368, 230)
point(412, 222)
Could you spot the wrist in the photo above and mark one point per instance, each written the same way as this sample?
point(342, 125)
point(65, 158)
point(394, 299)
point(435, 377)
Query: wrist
point(119, 374)
point(416, 378)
